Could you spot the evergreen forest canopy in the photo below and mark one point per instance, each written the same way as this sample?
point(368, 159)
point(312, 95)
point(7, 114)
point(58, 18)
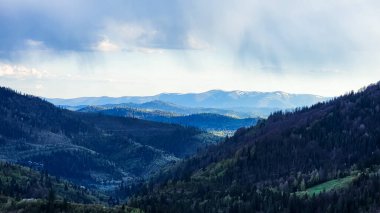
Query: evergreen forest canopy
point(323, 158)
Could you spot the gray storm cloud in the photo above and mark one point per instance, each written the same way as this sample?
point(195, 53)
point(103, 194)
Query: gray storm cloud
point(269, 33)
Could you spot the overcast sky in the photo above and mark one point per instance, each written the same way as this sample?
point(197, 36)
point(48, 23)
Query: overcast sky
point(71, 48)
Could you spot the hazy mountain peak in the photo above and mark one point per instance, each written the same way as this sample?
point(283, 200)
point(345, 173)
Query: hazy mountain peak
point(159, 102)
point(237, 100)
point(239, 92)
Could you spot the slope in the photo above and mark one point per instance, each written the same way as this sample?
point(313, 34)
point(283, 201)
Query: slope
point(90, 149)
point(262, 167)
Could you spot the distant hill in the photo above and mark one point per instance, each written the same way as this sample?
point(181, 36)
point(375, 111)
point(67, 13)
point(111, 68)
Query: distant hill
point(254, 103)
point(90, 149)
point(160, 106)
point(205, 121)
point(323, 158)
point(210, 121)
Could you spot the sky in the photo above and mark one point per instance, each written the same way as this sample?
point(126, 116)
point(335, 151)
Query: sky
point(73, 48)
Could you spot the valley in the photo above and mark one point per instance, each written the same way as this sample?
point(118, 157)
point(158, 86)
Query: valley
point(90, 149)
point(131, 157)
point(210, 122)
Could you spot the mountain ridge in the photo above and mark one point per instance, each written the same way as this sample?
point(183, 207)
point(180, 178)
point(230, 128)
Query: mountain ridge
point(212, 98)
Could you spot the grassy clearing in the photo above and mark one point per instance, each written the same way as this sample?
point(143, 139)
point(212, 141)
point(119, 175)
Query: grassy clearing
point(328, 186)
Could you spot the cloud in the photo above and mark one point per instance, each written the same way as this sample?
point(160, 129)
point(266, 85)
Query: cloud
point(106, 45)
point(77, 25)
point(265, 35)
point(34, 43)
point(149, 50)
point(39, 87)
point(126, 36)
point(196, 43)
point(20, 72)
point(130, 33)
point(121, 47)
point(284, 34)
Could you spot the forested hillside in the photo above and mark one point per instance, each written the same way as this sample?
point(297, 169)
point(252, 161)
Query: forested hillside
point(324, 158)
point(90, 149)
point(204, 121)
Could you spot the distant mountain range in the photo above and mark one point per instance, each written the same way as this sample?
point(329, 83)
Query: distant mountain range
point(160, 107)
point(206, 121)
point(253, 103)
